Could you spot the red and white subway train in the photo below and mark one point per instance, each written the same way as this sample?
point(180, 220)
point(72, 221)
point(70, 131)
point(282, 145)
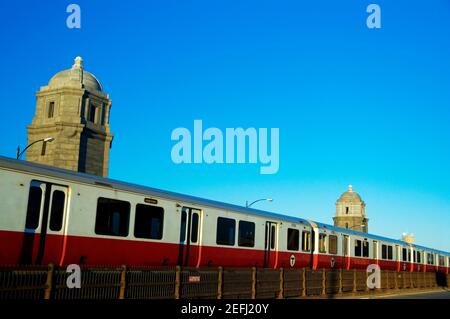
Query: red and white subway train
point(51, 215)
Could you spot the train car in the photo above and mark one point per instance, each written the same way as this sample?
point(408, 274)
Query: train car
point(51, 215)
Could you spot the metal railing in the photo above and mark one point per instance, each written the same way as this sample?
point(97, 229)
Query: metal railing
point(49, 282)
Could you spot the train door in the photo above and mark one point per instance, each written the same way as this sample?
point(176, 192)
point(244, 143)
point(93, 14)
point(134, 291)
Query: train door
point(270, 250)
point(189, 247)
point(44, 233)
point(346, 251)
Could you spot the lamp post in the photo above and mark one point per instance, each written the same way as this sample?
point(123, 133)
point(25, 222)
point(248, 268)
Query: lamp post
point(45, 140)
point(258, 200)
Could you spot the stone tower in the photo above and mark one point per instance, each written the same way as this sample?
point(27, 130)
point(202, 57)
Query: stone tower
point(74, 110)
point(351, 212)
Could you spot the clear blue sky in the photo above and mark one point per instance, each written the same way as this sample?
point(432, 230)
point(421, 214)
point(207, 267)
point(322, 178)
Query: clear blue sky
point(354, 106)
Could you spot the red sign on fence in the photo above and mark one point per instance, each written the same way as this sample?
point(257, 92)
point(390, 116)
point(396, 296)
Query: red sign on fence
point(194, 278)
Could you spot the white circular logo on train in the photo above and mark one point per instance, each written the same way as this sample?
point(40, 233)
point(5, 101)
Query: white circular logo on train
point(292, 260)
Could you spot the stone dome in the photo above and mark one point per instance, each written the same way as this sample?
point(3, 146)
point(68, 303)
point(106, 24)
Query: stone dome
point(76, 77)
point(350, 196)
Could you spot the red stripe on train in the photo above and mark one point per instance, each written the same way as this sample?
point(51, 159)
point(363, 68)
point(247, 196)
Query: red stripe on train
point(105, 251)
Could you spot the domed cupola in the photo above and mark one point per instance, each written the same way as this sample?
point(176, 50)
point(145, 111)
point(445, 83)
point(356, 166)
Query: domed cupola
point(74, 110)
point(351, 211)
point(76, 77)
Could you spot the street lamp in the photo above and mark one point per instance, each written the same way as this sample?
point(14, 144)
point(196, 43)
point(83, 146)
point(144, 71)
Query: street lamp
point(259, 200)
point(45, 140)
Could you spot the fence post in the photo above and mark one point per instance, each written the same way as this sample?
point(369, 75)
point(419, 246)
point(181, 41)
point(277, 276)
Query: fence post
point(354, 280)
point(281, 292)
point(387, 279)
point(303, 282)
point(396, 280)
point(253, 283)
point(123, 282)
point(49, 282)
point(177, 282)
point(367, 277)
point(411, 282)
point(340, 281)
point(324, 282)
point(219, 283)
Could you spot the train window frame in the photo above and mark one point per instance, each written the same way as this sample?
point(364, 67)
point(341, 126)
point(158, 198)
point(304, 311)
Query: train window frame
point(322, 243)
point(430, 259)
point(123, 228)
point(34, 206)
point(390, 252)
point(384, 251)
point(441, 261)
point(293, 239)
point(195, 226)
point(57, 210)
point(332, 244)
point(366, 249)
point(231, 240)
point(156, 233)
point(405, 254)
point(306, 241)
point(273, 233)
point(358, 247)
point(243, 239)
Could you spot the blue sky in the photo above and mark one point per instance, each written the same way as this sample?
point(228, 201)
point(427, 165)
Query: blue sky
point(354, 106)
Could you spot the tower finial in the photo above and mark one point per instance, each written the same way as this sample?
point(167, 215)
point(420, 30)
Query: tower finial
point(350, 188)
point(78, 63)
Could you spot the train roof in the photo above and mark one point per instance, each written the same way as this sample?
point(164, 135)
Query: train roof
point(107, 182)
point(376, 237)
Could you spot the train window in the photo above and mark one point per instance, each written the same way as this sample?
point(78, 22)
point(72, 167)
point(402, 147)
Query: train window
point(293, 238)
point(226, 229)
point(194, 228)
point(306, 241)
point(149, 222)
point(404, 254)
point(57, 210)
point(246, 234)
point(322, 243)
point(272, 237)
point(358, 248)
point(34, 206)
point(365, 249)
point(333, 244)
point(183, 225)
point(419, 257)
point(441, 261)
point(112, 217)
point(430, 259)
point(384, 252)
point(390, 253)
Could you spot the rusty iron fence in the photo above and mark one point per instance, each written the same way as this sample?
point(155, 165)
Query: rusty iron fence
point(102, 282)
